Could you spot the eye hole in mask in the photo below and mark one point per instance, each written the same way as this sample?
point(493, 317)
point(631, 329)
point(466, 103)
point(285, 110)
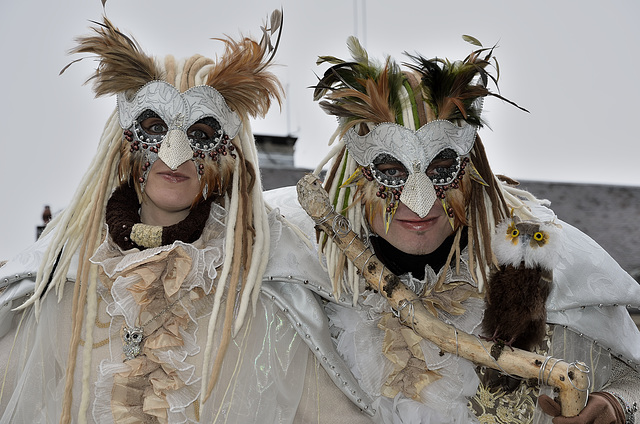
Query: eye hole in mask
point(206, 134)
point(390, 172)
point(149, 128)
point(444, 168)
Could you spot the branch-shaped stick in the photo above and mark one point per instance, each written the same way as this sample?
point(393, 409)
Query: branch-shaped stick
point(570, 380)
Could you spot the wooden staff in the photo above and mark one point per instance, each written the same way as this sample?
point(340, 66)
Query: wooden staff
point(570, 380)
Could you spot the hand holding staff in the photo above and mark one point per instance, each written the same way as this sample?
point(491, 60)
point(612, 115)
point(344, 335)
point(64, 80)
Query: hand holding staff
point(570, 380)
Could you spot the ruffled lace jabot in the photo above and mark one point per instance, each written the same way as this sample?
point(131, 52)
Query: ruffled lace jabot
point(400, 368)
point(161, 290)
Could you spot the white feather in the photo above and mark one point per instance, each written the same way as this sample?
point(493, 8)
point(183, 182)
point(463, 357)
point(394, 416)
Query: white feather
point(515, 250)
point(506, 250)
point(545, 256)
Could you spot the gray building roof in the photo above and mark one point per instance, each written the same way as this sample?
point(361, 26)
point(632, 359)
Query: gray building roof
point(608, 214)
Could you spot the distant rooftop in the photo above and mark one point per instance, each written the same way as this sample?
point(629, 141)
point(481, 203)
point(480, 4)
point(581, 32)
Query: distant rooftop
point(608, 214)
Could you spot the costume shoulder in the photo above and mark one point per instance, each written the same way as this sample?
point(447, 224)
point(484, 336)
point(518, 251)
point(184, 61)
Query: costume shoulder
point(591, 292)
point(294, 273)
point(18, 278)
point(294, 254)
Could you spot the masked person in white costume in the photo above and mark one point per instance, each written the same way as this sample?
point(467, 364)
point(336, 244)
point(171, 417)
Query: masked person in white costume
point(141, 301)
point(409, 172)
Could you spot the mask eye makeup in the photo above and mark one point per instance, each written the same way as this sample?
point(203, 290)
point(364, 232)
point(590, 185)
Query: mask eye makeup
point(206, 134)
point(388, 171)
point(444, 168)
point(149, 128)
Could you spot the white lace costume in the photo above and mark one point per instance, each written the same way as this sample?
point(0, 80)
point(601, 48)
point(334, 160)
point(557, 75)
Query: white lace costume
point(256, 384)
point(301, 373)
point(592, 325)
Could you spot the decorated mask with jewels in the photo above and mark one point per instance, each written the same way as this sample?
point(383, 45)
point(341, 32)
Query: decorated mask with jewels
point(416, 166)
point(185, 110)
point(162, 123)
point(411, 131)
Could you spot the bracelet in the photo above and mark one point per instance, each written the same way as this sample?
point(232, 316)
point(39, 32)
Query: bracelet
point(629, 410)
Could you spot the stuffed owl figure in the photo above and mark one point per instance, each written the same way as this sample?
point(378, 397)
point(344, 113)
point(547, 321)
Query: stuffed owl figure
point(515, 313)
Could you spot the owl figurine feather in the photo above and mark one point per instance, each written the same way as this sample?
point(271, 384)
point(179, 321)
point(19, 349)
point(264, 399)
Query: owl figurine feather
point(515, 302)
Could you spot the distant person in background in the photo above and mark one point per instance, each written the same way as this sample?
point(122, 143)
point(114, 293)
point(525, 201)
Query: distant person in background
point(133, 305)
point(46, 215)
point(409, 172)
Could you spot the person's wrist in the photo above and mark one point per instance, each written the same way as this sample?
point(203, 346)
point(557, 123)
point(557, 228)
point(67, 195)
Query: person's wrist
point(626, 411)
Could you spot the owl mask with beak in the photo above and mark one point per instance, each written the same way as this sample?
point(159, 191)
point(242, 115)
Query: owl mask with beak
point(412, 132)
point(220, 94)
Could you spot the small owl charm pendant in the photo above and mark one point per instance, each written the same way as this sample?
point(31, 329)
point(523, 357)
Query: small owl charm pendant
point(132, 339)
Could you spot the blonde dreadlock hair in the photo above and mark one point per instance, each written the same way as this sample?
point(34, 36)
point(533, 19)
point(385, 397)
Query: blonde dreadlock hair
point(363, 93)
point(243, 78)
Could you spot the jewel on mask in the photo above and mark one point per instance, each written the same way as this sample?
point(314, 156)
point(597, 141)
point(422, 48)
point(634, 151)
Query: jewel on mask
point(391, 207)
point(450, 213)
point(390, 211)
point(366, 172)
point(455, 184)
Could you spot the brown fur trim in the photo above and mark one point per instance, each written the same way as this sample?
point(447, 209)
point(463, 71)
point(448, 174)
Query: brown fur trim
point(122, 213)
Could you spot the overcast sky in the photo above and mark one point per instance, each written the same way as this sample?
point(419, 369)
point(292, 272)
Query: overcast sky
point(572, 64)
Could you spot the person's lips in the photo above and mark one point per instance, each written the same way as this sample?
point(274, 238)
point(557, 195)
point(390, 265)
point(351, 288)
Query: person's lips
point(417, 224)
point(173, 177)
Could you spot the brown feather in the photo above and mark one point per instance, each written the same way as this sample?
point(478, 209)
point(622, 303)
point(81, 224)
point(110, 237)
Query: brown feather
point(123, 65)
point(458, 200)
point(243, 79)
point(371, 106)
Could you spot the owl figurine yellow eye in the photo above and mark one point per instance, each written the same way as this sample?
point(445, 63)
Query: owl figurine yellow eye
point(517, 290)
point(535, 243)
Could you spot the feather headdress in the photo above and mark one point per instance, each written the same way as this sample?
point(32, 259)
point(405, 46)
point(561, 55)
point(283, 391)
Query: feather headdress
point(241, 75)
point(359, 91)
point(454, 90)
point(363, 94)
point(123, 66)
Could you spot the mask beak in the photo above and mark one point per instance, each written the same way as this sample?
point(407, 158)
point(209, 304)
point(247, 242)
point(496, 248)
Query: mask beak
point(418, 194)
point(175, 149)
